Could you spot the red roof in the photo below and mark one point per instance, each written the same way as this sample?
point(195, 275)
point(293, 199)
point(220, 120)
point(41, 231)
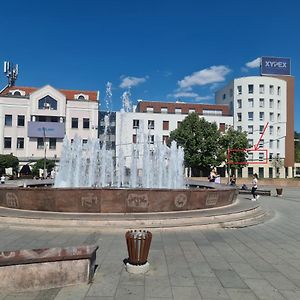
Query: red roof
point(70, 94)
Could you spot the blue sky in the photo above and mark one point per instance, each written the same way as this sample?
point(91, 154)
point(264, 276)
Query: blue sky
point(165, 50)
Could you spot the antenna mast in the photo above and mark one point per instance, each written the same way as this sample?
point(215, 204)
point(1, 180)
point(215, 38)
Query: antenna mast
point(11, 71)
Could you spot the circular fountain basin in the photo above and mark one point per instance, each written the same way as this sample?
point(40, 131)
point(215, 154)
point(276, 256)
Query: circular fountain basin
point(112, 200)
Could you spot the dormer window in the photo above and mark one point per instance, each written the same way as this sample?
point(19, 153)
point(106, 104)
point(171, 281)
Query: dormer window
point(48, 103)
point(17, 93)
point(81, 97)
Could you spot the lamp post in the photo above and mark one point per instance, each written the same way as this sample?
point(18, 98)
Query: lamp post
point(45, 152)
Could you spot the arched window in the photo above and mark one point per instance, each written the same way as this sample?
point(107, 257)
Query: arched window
point(48, 102)
point(81, 97)
point(17, 93)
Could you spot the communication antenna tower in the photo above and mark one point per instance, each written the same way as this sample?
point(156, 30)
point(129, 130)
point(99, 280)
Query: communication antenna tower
point(11, 71)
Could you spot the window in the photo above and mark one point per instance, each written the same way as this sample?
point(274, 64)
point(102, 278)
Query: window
point(239, 90)
point(250, 142)
point(47, 102)
point(261, 116)
point(250, 88)
point(272, 117)
point(8, 120)
point(278, 144)
point(278, 104)
point(239, 117)
point(7, 142)
point(239, 103)
point(21, 120)
point(261, 129)
point(164, 110)
point(231, 92)
point(224, 96)
point(239, 128)
point(278, 130)
point(271, 103)
point(261, 88)
point(250, 129)
point(86, 123)
point(165, 139)
point(278, 117)
point(261, 156)
point(222, 127)
point(150, 124)
point(151, 139)
point(250, 156)
point(261, 102)
point(149, 109)
point(250, 171)
point(84, 141)
point(74, 122)
point(17, 93)
point(191, 110)
point(261, 143)
point(136, 124)
point(250, 116)
point(271, 130)
point(177, 110)
point(40, 143)
point(52, 143)
point(271, 143)
point(134, 138)
point(81, 97)
point(271, 89)
point(20, 143)
point(278, 91)
point(165, 125)
point(178, 124)
point(250, 102)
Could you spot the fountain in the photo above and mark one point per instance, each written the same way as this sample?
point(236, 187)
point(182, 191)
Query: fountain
point(91, 180)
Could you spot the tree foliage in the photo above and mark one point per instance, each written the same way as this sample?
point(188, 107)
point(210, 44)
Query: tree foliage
point(297, 147)
point(205, 146)
point(201, 141)
point(234, 139)
point(50, 164)
point(8, 161)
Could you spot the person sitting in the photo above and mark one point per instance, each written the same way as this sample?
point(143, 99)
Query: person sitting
point(212, 175)
point(232, 180)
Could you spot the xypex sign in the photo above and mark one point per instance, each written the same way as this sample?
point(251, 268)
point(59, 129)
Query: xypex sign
point(275, 66)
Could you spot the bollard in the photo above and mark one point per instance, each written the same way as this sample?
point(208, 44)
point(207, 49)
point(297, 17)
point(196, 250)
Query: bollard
point(138, 245)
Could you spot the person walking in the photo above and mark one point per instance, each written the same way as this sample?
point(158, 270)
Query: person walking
point(213, 175)
point(232, 180)
point(254, 187)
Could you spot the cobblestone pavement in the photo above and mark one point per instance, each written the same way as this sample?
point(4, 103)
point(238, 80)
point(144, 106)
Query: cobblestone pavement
point(258, 262)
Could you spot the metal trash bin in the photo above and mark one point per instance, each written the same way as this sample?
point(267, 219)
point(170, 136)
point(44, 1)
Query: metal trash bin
point(138, 245)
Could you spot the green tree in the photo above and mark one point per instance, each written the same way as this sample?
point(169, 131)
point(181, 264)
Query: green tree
point(201, 141)
point(50, 164)
point(8, 161)
point(234, 139)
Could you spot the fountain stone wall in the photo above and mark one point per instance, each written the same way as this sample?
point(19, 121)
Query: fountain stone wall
point(113, 200)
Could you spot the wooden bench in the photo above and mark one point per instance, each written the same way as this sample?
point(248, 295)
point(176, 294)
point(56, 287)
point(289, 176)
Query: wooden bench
point(258, 192)
point(37, 269)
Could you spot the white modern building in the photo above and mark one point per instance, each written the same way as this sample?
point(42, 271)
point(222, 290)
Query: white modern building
point(34, 121)
point(157, 119)
point(254, 102)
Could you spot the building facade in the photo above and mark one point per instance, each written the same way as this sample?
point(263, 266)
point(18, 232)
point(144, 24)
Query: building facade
point(34, 121)
point(256, 102)
point(155, 121)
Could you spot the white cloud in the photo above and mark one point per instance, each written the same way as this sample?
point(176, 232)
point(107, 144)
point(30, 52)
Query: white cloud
point(189, 95)
point(131, 81)
point(254, 63)
point(209, 75)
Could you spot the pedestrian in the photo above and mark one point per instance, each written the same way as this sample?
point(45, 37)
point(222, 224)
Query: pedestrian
point(2, 179)
point(254, 187)
point(212, 175)
point(232, 180)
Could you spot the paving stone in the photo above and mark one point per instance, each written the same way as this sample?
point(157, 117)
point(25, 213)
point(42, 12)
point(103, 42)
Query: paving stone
point(184, 293)
point(244, 270)
point(75, 292)
point(290, 294)
point(158, 287)
point(241, 294)
point(230, 279)
point(278, 280)
point(130, 292)
point(211, 288)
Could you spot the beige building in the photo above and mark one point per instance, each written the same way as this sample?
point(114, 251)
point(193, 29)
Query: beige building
point(35, 118)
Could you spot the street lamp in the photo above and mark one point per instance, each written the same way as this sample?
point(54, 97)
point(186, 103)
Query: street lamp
point(45, 152)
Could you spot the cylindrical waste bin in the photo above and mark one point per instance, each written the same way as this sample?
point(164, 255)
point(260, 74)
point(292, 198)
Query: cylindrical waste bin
point(138, 245)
